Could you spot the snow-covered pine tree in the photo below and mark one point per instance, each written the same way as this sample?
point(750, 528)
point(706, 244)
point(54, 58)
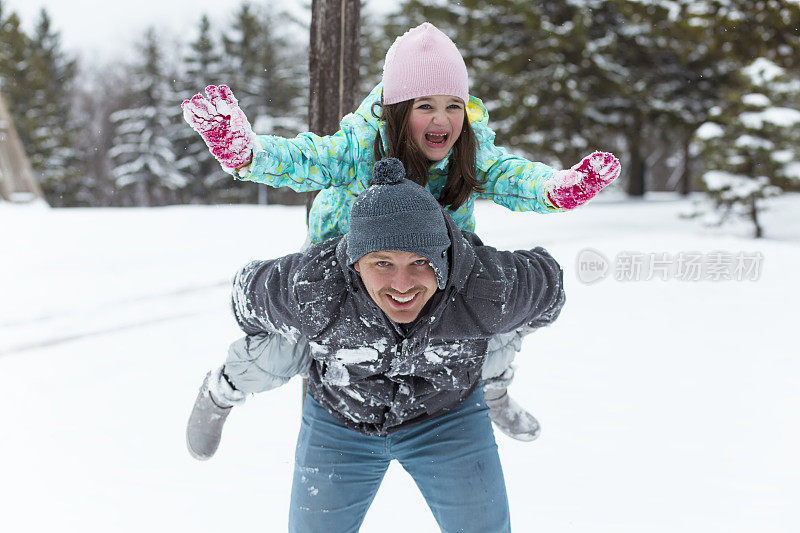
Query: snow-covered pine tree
point(267, 60)
point(637, 77)
point(748, 152)
point(143, 155)
point(15, 82)
point(560, 79)
point(373, 43)
point(653, 68)
point(100, 91)
point(779, 117)
point(202, 65)
point(696, 70)
point(53, 152)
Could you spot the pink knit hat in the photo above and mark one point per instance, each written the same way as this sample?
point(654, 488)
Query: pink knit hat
point(424, 62)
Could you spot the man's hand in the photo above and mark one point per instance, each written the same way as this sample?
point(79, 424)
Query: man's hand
point(570, 188)
point(222, 124)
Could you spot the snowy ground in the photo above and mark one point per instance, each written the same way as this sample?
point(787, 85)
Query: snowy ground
point(666, 405)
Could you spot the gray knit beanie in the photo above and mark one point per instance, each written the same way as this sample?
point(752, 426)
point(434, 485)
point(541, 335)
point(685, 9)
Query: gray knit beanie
point(397, 214)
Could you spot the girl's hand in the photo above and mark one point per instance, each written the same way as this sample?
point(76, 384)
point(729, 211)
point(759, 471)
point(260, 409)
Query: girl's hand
point(570, 188)
point(222, 125)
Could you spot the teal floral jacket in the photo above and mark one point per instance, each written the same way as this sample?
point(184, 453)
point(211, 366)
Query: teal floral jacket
point(340, 166)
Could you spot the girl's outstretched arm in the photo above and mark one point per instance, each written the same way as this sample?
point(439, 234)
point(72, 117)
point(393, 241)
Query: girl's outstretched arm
point(523, 185)
point(513, 181)
point(306, 163)
point(568, 189)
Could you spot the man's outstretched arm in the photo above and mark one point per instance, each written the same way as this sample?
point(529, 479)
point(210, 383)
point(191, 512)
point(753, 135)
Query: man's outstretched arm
point(529, 286)
point(262, 297)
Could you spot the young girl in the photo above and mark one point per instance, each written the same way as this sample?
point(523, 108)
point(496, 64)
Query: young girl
point(422, 115)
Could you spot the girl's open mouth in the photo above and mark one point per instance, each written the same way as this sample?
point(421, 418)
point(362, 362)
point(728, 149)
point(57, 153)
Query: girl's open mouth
point(436, 139)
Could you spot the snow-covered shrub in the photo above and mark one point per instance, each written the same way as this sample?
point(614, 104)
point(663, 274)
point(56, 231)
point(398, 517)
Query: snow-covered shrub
point(753, 154)
point(731, 196)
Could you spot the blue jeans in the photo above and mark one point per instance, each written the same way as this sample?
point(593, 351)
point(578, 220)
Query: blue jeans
point(452, 458)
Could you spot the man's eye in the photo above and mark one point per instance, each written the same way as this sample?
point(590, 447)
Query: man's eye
point(382, 263)
point(421, 262)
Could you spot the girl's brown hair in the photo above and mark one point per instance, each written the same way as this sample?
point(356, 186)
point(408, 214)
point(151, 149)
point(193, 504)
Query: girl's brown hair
point(462, 177)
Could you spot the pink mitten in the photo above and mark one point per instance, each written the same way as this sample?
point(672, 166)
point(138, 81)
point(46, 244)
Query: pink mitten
point(570, 188)
point(222, 125)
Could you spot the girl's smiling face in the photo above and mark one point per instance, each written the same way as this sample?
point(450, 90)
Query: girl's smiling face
point(435, 123)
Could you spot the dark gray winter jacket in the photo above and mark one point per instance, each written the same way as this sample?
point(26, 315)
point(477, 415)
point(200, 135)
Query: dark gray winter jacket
point(372, 374)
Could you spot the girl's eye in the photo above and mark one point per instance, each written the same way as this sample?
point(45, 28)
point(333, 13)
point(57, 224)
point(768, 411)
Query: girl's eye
point(424, 106)
point(454, 106)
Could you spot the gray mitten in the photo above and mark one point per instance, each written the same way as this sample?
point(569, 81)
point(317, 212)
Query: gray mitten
point(212, 406)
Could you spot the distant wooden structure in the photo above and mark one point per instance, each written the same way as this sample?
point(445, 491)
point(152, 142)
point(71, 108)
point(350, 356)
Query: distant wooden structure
point(17, 181)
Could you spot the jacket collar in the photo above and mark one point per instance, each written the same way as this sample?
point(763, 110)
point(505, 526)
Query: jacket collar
point(462, 256)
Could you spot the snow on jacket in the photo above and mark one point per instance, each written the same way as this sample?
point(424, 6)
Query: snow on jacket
point(340, 165)
point(371, 374)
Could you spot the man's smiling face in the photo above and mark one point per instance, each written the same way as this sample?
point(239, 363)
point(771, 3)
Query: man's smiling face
point(401, 283)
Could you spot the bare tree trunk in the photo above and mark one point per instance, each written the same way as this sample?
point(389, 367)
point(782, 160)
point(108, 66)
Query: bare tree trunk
point(333, 61)
point(637, 166)
point(142, 194)
point(635, 186)
point(333, 66)
point(685, 186)
point(759, 231)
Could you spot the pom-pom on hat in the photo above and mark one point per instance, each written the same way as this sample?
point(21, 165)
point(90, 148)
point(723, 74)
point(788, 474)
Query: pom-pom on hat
point(396, 214)
point(424, 62)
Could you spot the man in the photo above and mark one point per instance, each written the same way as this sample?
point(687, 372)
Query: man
point(398, 314)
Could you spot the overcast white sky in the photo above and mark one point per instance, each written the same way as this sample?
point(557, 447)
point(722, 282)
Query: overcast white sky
point(102, 28)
